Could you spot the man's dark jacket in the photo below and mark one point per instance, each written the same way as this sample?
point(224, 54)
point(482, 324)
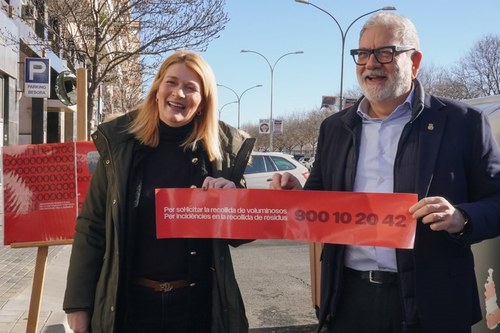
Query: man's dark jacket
point(447, 149)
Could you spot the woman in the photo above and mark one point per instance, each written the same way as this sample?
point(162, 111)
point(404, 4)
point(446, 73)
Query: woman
point(121, 278)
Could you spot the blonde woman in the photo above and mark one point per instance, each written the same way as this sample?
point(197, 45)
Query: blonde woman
point(121, 278)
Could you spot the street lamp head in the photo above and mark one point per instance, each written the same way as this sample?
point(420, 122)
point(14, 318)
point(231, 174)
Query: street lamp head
point(243, 51)
point(229, 103)
point(298, 52)
point(343, 34)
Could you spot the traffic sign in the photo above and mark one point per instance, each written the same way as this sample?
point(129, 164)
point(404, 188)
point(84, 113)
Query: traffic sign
point(37, 77)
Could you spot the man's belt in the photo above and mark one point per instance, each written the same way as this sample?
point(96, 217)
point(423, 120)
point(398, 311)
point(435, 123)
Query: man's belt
point(377, 277)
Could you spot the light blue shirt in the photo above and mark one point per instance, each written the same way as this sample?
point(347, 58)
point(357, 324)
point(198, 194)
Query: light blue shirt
point(375, 173)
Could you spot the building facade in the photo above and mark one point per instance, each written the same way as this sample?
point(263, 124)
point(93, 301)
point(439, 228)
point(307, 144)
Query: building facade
point(24, 33)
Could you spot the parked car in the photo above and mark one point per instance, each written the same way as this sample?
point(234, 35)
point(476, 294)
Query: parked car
point(262, 167)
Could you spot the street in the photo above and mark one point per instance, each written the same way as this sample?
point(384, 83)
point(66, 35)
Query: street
point(274, 278)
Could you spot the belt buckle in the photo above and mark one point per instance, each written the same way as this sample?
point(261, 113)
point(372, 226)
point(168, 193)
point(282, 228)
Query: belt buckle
point(371, 279)
point(165, 287)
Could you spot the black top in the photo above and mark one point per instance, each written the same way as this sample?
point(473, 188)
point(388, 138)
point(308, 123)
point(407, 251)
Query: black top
point(167, 166)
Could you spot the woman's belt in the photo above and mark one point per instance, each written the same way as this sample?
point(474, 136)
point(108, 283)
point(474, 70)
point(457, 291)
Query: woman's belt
point(162, 286)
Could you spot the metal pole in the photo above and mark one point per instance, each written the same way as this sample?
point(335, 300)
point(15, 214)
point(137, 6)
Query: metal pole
point(271, 68)
point(238, 97)
point(343, 36)
point(81, 104)
point(222, 107)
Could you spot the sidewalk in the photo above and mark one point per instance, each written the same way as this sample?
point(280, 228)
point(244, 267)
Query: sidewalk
point(17, 267)
point(295, 316)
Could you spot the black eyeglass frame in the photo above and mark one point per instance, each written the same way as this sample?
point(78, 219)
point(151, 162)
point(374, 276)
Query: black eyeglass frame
point(375, 52)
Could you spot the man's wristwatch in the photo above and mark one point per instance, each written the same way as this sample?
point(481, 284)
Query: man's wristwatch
point(466, 219)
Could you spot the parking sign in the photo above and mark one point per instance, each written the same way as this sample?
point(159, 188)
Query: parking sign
point(37, 77)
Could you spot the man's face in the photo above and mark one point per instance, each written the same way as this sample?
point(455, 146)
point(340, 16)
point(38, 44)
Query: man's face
point(382, 82)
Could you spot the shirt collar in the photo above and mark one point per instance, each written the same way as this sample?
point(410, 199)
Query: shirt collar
point(401, 110)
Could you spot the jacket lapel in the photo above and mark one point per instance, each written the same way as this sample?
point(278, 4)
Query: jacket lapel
point(431, 124)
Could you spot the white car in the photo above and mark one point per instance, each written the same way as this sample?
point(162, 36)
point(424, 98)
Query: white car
point(262, 167)
point(307, 162)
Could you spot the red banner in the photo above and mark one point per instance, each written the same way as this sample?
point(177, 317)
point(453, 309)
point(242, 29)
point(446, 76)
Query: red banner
point(376, 219)
point(44, 187)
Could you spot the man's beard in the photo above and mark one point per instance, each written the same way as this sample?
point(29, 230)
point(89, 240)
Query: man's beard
point(395, 86)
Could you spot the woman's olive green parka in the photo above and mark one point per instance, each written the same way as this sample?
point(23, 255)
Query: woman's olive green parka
point(96, 262)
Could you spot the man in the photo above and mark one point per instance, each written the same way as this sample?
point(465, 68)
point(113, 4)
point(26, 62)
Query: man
point(397, 138)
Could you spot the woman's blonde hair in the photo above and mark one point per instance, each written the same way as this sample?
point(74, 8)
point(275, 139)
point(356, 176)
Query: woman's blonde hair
point(206, 127)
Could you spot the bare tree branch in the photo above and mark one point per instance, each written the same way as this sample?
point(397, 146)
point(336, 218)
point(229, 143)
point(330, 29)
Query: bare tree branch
point(124, 37)
point(479, 69)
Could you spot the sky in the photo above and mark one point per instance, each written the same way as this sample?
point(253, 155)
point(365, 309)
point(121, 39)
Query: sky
point(448, 30)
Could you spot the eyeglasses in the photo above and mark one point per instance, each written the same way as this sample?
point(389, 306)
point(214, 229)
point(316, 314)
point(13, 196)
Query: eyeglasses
point(384, 55)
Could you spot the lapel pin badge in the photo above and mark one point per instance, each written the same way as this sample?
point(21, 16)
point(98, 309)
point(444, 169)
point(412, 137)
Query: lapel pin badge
point(430, 126)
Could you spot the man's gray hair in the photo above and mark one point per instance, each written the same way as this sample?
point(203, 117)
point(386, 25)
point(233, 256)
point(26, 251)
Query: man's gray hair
point(404, 29)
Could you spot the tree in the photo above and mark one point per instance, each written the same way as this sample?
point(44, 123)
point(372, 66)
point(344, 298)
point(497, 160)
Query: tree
point(479, 69)
point(476, 74)
point(117, 40)
point(300, 132)
point(293, 129)
point(353, 93)
point(441, 82)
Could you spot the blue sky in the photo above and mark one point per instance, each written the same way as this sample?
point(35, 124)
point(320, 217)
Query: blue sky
point(448, 29)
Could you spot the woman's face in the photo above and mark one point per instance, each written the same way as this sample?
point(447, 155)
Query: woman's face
point(179, 95)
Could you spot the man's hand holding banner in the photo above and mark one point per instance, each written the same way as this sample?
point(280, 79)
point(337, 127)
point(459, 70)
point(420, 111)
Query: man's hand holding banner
point(376, 219)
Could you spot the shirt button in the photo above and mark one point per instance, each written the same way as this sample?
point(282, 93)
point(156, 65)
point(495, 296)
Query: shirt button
point(193, 253)
point(108, 162)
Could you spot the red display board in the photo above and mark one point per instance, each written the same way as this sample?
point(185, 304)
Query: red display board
point(44, 187)
point(376, 219)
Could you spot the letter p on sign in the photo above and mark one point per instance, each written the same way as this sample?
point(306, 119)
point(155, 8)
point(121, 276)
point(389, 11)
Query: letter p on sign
point(36, 67)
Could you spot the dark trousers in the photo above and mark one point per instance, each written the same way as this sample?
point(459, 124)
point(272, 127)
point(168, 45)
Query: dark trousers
point(149, 311)
point(366, 307)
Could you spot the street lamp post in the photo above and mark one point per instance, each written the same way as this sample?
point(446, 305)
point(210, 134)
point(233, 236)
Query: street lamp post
point(271, 67)
point(238, 97)
point(222, 107)
point(343, 35)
